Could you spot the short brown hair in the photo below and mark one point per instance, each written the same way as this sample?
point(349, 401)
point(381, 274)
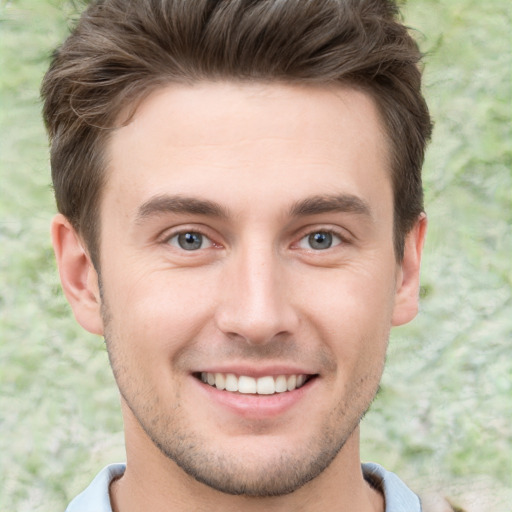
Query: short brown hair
point(121, 50)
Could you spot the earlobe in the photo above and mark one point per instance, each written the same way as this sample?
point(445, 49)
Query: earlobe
point(408, 282)
point(78, 276)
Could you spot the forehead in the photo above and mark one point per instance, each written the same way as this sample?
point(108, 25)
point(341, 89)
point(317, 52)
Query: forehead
point(280, 141)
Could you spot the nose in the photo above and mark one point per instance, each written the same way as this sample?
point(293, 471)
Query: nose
point(255, 302)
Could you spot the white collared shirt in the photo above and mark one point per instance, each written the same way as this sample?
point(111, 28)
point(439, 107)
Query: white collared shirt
point(398, 497)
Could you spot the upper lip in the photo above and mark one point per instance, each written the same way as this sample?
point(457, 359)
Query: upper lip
point(256, 371)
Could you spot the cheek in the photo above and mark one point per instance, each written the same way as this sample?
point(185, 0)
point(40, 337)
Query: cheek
point(352, 313)
point(155, 313)
point(354, 298)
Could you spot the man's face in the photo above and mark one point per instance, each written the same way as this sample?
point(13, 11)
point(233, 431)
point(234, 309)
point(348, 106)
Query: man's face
point(246, 240)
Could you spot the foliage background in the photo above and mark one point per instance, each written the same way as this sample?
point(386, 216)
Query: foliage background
point(443, 417)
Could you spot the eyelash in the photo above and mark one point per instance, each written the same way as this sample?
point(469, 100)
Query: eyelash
point(168, 237)
point(342, 239)
point(334, 233)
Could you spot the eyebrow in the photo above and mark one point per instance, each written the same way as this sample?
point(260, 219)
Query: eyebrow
point(314, 205)
point(163, 204)
point(345, 203)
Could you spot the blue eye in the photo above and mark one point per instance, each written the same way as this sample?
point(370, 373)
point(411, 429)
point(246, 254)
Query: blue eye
point(190, 241)
point(320, 240)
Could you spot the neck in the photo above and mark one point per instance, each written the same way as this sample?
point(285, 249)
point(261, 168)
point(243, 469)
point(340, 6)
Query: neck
point(153, 482)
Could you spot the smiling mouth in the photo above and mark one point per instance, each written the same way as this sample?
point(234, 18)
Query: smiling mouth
point(267, 385)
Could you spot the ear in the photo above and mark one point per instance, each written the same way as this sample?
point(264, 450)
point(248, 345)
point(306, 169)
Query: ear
point(408, 276)
point(78, 276)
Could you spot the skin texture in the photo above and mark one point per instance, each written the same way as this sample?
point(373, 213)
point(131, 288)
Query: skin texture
point(253, 170)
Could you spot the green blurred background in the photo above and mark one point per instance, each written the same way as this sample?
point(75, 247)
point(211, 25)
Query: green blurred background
point(443, 418)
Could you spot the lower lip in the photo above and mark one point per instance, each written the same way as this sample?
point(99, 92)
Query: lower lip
point(256, 406)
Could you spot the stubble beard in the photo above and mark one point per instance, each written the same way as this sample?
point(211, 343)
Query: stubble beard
point(234, 473)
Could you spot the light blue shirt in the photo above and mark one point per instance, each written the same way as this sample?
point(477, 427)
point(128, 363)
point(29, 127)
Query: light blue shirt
point(398, 497)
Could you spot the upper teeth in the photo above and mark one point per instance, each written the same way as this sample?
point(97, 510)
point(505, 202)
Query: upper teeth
point(262, 386)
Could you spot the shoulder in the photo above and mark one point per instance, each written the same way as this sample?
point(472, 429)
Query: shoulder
point(398, 497)
point(96, 497)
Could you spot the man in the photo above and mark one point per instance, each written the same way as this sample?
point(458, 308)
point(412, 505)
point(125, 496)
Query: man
point(241, 217)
